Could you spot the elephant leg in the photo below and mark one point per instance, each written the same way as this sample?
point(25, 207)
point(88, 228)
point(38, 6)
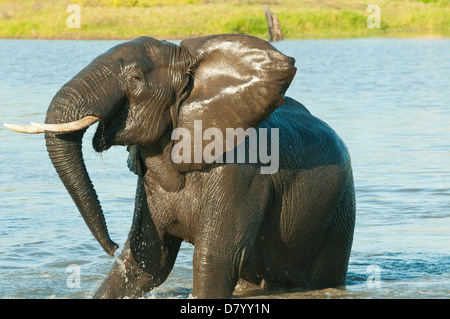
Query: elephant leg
point(215, 274)
point(220, 257)
point(147, 258)
point(330, 268)
point(229, 230)
point(128, 279)
point(125, 279)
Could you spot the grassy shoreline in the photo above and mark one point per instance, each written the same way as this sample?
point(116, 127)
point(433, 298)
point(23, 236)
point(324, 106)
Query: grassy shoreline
point(178, 19)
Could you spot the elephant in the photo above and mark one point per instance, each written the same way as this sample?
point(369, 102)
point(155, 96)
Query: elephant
point(290, 227)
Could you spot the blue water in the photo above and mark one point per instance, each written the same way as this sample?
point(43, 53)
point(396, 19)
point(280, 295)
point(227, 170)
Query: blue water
point(389, 99)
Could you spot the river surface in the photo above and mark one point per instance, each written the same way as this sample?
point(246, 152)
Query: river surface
point(389, 99)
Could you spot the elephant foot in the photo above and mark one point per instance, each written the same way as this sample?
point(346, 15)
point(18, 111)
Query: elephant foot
point(125, 280)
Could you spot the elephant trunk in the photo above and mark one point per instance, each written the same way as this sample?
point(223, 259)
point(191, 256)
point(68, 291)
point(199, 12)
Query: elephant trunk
point(66, 156)
point(72, 103)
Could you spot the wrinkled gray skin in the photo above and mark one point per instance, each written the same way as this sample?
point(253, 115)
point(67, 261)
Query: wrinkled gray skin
point(290, 229)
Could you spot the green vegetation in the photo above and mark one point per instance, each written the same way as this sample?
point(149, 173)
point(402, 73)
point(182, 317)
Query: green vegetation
point(177, 19)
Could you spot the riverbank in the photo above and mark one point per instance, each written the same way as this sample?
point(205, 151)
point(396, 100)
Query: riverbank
point(178, 19)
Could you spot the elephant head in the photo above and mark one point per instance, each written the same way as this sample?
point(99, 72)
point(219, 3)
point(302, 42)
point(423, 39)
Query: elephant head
point(139, 91)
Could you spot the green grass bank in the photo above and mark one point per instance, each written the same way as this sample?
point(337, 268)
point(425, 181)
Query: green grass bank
point(178, 19)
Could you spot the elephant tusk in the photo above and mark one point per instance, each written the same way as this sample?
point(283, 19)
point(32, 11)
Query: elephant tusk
point(24, 129)
point(85, 122)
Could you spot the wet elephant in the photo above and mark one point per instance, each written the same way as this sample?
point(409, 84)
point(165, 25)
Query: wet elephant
point(290, 226)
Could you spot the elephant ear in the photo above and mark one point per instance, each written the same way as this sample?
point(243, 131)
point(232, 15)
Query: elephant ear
point(237, 82)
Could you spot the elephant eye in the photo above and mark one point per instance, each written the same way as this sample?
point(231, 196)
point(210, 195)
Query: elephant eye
point(135, 78)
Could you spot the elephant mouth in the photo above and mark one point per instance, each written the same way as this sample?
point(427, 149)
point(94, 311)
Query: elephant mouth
point(104, 137)
point(107, 133)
